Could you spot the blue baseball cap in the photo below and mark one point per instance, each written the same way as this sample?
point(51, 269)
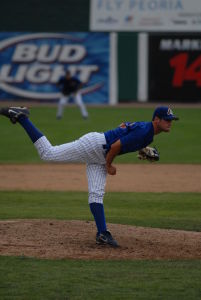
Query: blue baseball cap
point(165, 113)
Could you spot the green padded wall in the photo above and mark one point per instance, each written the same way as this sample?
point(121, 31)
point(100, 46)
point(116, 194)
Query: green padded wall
point(127, 66)
point(44, 15)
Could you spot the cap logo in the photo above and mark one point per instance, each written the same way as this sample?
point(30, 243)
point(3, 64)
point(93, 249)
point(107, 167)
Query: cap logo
point(169, 112)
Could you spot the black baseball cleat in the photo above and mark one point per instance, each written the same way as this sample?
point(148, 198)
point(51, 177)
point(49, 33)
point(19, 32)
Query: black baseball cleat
point(14, 113)
point(105, 238)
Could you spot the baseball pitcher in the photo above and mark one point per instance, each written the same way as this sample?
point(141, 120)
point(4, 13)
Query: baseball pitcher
point(98, 151)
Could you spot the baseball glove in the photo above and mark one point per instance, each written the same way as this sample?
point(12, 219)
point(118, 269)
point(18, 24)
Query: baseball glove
point(149, 153)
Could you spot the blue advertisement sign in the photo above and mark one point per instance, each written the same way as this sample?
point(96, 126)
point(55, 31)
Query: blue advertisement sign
point(32, 63)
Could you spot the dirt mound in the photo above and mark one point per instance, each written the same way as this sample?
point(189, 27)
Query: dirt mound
point(55, 239)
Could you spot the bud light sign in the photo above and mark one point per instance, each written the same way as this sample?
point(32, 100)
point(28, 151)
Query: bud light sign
point(32, 63)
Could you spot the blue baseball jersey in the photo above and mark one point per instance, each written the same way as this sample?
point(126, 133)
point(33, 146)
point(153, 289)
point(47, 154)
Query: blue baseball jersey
point(69, 86)
point(133, 136)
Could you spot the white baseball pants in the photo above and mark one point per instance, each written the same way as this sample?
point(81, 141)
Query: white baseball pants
point(78, 100)
point(87, 149)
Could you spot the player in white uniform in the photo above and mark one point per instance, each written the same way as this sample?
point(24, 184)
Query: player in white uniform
point(98, 151)
point(70, 88)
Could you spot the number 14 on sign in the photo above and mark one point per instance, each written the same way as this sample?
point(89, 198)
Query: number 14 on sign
point(184, 72)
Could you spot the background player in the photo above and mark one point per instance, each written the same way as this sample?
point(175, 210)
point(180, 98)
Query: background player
point(70, 88)
point(98, 151)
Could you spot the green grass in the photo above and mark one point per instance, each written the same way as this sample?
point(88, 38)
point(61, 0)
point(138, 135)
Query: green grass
point(32, 279)
point(181, 145)
point(160, 210)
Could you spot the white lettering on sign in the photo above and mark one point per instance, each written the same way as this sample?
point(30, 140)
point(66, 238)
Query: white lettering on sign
point(180, 44)
point(72, 53)
point(24, 53)
point(141, 5)
point(110, 5)
point(150, 5)
point(42, 73)
point(47, 53)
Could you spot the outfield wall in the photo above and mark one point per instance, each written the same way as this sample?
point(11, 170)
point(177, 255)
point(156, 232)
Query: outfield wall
point(142, 67)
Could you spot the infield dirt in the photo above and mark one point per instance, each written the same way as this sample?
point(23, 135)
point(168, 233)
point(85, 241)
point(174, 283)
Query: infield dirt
point(129, 177)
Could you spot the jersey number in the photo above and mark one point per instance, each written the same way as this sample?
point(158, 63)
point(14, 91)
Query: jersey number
point(185, 73)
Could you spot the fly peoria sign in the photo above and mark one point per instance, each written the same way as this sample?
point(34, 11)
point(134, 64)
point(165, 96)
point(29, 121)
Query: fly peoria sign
point(31, 64)
point(145, 15)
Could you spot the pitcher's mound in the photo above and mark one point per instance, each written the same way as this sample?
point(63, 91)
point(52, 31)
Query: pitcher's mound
point(55, 239)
